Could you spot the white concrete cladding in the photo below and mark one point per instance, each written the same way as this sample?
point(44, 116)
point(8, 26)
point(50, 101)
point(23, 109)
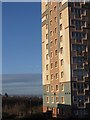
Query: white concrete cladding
point(45, 61)
point(65, 43)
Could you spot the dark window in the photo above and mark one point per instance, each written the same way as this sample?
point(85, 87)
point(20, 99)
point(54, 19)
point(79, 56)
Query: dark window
point(74, 85)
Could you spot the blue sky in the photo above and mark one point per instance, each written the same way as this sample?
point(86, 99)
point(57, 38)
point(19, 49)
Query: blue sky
point(21, 40)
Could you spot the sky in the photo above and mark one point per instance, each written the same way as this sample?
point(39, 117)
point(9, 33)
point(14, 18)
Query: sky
point(22, 84)
point(21, 37)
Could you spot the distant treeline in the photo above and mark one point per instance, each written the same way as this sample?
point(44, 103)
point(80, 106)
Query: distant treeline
point(20, 106)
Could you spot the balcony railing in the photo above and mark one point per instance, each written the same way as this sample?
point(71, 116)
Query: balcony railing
point(77, 53)
point(74, 78)
point(84, 17)
point(85, 42)
point(81, 91)
point(80, 78)
point(76, 41)
point(79, 65)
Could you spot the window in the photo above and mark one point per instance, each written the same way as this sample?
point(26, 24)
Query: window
point(72, 22)
point(78, 23)
point(46, 6)
point(86, 85)
point(57, 88)
point(57, 99)
point(79, 72)
point(62, 74)
point(60, 15)
point(50, 12)
point(74, 98)
point(56, 75)
point(72, 10)
point(83, 12)
point(60, 4)
point(61, 50)
point(80, 87)
point(46, 26)
point(47, 77)
point(77, 4)
point(51, 76)
point(55, 30)
point(46, 56)
point(74, 85)
point(83, 23)
point(47, 88)
point(86, 99)
point(46, 16)
point(78, 59)
point(46, 36)
point(47, 67)
point(51, 33)
point(51, 65)
point(46, 46)
point(61, 62)
point(55, 8)
point(55, 19)
point(55, 41)
point(51, 22)
point(51, 54)
point(47, 99)
point(52, 99)
point(78, 35)
point(56, 64)
point(52, 88)
point(60, 26)
point(55, 52)
point(51, 43)
point(62, 87)
point(62, 100)
point(61, 38)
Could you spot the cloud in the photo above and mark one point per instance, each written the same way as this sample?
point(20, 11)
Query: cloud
point(19, 77)
point(20, 84)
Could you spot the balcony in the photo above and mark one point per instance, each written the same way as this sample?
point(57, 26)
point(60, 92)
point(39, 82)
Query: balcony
point(84, 29)
point(73, 53)
point(84, 13)
point(77, 53)
point(84, 18)
point(80, 78)
point(85, 53)
point(72, 28)
point(74, 78)
point(87, 92)
point(72, 16)
point(79, 65)
point(74, 66)
point(86, 67)
point(76, 41)
point(86, 86)
point(81, 104)
point(81, 91)
point(87, 79)
point(78, 16)
point(85, 42)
